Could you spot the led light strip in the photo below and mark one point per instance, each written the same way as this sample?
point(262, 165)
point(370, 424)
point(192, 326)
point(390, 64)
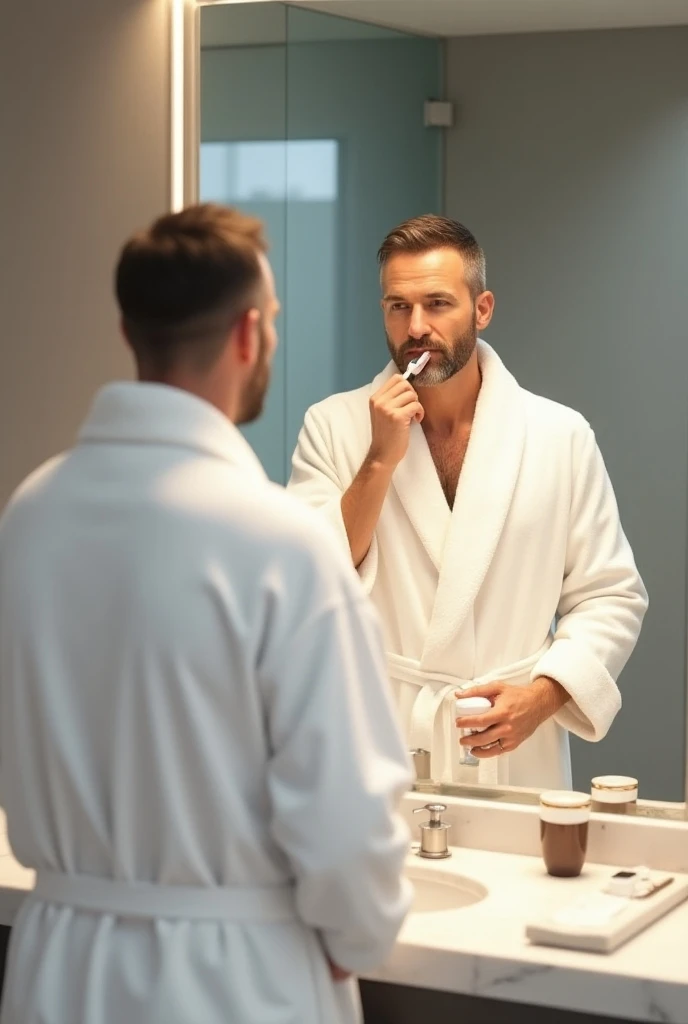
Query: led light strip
point(177, 125)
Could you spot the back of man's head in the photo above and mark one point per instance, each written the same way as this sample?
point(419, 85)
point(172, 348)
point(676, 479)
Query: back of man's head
point(185, 282)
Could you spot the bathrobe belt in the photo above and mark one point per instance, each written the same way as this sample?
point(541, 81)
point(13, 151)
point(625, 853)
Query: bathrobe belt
point(252, 904)
point(436, 692)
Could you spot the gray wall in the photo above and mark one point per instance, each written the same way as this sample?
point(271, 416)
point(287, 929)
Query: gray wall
point(569, 160)
point(84, 143)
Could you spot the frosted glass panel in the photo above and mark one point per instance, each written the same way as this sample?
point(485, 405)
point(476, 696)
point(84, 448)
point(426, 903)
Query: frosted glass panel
point(307, 122)
point(243, 105)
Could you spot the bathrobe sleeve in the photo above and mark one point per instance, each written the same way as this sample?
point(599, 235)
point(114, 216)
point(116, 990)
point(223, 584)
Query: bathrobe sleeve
point(338, 770)
point(321, 475)
point(603, 600)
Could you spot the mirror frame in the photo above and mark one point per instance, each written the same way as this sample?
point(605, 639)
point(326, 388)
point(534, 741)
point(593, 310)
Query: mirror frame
point(185, 141)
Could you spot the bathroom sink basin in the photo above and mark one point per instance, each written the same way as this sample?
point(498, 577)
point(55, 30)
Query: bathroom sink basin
point(437, 890)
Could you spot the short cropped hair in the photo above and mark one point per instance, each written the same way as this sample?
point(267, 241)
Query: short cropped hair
point(423, 234)
point(184, 282)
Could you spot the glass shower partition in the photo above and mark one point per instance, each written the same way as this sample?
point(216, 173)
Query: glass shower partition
point(315, 123)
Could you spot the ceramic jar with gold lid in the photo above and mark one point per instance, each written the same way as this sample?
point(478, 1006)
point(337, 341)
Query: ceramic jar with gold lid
point(614, 794)
point(564, 818)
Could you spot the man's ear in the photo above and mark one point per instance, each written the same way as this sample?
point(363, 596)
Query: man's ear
point(484, 308)
point(246, 337)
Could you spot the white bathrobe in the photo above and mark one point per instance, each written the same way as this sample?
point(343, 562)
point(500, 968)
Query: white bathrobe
point(529, 575)
point(198, 749)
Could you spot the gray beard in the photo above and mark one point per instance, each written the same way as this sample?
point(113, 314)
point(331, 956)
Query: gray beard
point(452, 362)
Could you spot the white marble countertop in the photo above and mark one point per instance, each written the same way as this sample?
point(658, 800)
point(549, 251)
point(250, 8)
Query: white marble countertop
point(481, 950)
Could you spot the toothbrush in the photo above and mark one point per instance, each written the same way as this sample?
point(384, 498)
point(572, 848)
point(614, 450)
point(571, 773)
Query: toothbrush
point(416, 365)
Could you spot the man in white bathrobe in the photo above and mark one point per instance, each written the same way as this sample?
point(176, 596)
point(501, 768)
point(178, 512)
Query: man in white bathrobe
point(199, 755)
point(482, 522)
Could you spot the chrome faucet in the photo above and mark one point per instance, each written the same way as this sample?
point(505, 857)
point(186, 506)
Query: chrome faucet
point(433, 833)
point(421, 762)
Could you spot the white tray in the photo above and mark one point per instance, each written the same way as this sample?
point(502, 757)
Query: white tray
point(599, 923)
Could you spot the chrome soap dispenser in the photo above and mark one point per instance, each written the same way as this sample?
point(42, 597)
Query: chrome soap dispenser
point(433, 833)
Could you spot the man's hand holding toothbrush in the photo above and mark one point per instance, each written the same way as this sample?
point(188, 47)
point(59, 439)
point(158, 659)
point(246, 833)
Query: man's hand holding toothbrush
point(392, 411)
point(393, 408)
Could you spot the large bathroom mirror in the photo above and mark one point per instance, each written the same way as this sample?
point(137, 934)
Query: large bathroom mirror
point(566, 158)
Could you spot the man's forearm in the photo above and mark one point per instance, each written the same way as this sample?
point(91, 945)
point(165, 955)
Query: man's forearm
point(552, 696)
point(362, 504)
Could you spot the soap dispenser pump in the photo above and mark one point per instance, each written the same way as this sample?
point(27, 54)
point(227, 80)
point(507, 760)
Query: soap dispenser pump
point(433, 833)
